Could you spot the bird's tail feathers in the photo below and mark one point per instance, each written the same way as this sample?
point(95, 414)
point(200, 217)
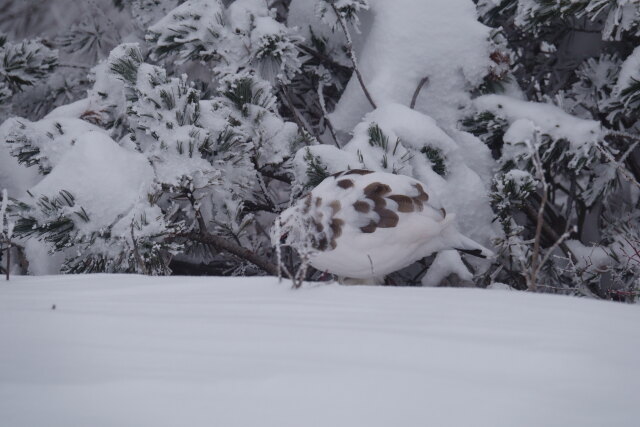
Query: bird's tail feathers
point(456, 240)
point(468, 246)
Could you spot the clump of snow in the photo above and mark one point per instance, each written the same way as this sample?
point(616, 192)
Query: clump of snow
point(500, 286)
point(51, 137)
point(302, 14)
point(273, 50)
point(529, 119)
point(244, 35)
point(41, 260)
point(519, 177)
point(197, 23)
point(104, 178)
point(408, 40)
point(550, 119)
point(241, 13)
point(629, 71)
point(13, 176)
point(445, 264)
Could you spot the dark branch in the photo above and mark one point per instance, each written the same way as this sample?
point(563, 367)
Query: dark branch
point(222, 244)
point(414, 99)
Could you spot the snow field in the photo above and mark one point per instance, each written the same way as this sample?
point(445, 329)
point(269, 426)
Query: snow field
point(145, 351)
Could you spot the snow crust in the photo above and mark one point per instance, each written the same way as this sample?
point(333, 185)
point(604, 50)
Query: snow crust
point(141, 351)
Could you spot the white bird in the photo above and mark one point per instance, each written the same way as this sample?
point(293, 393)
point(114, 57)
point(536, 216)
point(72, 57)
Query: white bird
point(364, 225)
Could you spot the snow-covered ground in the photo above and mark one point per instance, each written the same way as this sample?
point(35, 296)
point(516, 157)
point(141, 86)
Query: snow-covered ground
point(141, 351)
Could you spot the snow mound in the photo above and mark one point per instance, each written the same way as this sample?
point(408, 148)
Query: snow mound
point(104, 178)
point(550, 119)
point(452, 50)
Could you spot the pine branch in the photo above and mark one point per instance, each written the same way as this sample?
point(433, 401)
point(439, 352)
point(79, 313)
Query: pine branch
point(618, 163)
point(220, 243)
point(303, 126)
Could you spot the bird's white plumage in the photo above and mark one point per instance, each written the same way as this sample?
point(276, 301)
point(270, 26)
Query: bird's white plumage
point(362, 224)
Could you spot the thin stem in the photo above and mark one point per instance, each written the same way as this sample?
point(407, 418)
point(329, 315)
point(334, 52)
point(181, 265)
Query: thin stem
point(325, 115)
point(540, 219)
point(352, 55)
point(414, 99)
point(136, 253)
point(297, 117)
point(8, 259)
point(627, 175)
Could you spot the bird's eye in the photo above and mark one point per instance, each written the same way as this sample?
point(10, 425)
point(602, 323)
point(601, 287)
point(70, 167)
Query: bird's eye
point(283, 238)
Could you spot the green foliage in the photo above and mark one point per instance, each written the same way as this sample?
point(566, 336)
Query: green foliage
point(377, 138)
point(436, 158)
point(56, 220)
point(127, 64)
point(489, 128)
point(24, 64)
point(545, 39)
point(316, 170)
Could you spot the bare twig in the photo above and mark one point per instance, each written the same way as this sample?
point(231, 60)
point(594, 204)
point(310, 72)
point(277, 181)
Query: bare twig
point(136, 253)
point(352, 55)
point(618, 163)
point(553, 247)
point(535, 268)
point(8, 259)
point(414, 99)
point(325, 115)
point(299, 277)
point(297, 117)
point(326, 60)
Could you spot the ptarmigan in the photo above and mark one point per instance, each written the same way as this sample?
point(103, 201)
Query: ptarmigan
point(361, 224)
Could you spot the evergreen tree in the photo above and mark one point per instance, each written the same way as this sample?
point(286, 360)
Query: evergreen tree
point(568, 161)
point(217, 164)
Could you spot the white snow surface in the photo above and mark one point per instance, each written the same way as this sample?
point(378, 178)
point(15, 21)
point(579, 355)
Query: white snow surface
point(104, 178)
point(550, 119)
point(144, 351)
point(629, 71)
point(453, 53)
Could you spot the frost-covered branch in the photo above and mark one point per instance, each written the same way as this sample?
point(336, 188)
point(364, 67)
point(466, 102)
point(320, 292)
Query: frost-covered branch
point(6, 230)
point(535, 268)
point(619, 163)
point(352, 54)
